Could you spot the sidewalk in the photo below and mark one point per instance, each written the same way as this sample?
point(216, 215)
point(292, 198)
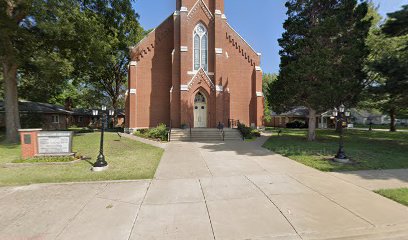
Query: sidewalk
point(214, 191)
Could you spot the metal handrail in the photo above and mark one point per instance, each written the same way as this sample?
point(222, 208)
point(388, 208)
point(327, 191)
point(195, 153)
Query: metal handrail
point(169, 134)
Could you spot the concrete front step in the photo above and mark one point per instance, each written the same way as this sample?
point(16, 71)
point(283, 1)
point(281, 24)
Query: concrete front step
point(204, 134)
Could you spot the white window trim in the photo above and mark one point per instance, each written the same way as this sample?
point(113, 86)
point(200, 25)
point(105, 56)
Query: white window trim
point(56, 118)
point(200, 48)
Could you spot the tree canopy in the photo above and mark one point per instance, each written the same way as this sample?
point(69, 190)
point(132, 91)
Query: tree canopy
point(46, 46)
point(322, 56)
point(387, 66)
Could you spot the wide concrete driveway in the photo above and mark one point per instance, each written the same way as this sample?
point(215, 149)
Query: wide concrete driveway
point(227, 191)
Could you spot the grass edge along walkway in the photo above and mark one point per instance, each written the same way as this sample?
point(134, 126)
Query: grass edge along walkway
point(368, 150)
point(128, 160)
point(399, 195)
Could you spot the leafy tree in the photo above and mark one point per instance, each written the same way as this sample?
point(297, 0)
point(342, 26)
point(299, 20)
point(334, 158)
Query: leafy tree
point(323, 50)
point(387, 65)
point(110, 65)
point(30, 29)
point(46, 44)
point(397, 24)
point(267, 80)
point(81, 96)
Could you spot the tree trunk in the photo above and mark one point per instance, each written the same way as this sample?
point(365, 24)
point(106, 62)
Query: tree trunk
point(393, 116)
point(11, 102)
point(311, 136)
point(115, 107)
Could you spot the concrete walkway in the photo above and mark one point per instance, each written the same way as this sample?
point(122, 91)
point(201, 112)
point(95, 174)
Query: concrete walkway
point(206, 191)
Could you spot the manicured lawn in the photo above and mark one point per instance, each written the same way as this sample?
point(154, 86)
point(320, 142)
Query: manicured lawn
point(380, 126)
point(399, 195)
point(368, 150)
point(128, 160)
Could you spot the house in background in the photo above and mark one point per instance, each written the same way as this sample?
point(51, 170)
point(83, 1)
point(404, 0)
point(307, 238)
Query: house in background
point(364, 117)
point(39, 115)
point(300, 114)
point(81, 117)
point(54, 117)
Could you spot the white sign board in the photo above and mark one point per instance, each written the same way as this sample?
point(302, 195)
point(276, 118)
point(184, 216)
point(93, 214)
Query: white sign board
point(55, 143)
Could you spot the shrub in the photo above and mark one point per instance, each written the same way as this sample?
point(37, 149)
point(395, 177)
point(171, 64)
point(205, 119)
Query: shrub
point(245, 131)
point(296, 124)
point(255, 133)
point(159, 132)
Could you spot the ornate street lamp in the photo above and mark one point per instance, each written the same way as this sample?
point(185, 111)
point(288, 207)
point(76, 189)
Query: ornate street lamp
point(101, 164)
point(341, 116)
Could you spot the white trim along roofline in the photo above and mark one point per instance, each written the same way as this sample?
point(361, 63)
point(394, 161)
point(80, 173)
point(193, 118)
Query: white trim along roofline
point(198, 71)
point(204, 5)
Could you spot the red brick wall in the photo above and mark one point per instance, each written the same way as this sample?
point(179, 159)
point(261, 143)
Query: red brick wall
point(152, 78)
point(242, 80)
point(158, 70)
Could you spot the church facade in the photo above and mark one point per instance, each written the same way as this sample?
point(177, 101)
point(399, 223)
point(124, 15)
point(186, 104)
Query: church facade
point(194, 70)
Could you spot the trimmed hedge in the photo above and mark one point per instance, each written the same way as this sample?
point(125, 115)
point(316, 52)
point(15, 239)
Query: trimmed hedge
point(159, 132)
point(248, 132)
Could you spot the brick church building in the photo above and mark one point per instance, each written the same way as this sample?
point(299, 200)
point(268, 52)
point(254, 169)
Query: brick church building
point(194, 70)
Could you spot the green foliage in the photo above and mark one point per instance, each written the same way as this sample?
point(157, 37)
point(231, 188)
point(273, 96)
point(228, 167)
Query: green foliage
point(323, 50)
point(63, 44)
point(160, 132)
point(296, 124)
point(267, 80)
point(397, 23)
point(387, 67)
point(248, 132)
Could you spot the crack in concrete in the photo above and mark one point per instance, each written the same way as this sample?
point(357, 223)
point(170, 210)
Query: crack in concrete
point(208, 211)
point(138, 210)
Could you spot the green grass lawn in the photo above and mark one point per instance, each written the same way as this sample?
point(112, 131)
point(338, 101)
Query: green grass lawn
point(399, 195)
point(402, 127)
point(368, 150)
point(128, 160)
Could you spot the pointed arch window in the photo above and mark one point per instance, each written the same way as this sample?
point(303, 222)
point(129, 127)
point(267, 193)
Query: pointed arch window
point(200, 47)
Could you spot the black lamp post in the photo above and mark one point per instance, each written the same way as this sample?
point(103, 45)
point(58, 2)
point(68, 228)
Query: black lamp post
point(101, 164)
point(370, 123)
point(341, 116)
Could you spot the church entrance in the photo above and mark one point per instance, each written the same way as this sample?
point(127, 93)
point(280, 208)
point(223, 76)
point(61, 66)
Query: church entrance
point(200, 111)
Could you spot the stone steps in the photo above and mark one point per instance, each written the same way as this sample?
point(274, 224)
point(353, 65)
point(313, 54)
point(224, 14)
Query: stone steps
point(204, 135)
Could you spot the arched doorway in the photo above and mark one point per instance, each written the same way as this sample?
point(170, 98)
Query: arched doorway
point(200, 111)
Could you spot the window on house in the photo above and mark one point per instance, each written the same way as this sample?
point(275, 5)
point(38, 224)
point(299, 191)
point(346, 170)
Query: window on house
point(200, 47)
point(80, 119)
point(55, 119)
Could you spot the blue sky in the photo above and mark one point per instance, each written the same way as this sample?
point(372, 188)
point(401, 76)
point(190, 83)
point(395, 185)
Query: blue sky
point(258, 21)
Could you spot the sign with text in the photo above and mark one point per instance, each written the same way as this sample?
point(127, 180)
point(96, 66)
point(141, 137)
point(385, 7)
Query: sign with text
point(55, 143)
